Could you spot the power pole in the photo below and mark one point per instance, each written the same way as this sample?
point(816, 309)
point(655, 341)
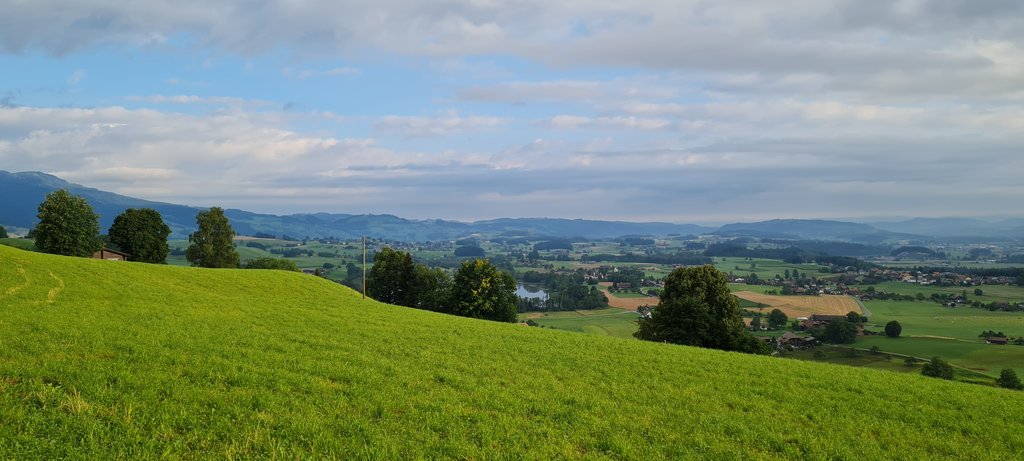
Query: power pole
point(364, 267)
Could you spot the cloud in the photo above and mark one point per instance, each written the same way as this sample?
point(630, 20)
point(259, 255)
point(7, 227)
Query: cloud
point(308, 73)
point(445, 123)
point(77, 76)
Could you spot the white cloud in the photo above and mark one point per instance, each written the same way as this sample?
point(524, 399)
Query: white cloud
point(447, 122)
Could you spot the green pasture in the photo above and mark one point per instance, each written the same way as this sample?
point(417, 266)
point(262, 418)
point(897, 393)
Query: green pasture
point(859, 357)
point(115, 360)
point(606, 322)
point(24, 244)
point(990, 293)
point(926, 318)
point(764, 268)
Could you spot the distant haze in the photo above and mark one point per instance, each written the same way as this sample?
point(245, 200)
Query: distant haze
point(648, 110)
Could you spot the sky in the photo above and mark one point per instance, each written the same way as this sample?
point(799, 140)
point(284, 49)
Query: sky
point(642, 110)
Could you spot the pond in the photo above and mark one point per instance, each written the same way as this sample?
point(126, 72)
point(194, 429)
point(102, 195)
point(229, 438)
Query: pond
point(531, 291)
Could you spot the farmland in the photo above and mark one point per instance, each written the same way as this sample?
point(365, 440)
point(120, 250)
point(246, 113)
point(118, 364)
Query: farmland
point(803, 306)
point(606, 322)
point(103, 359)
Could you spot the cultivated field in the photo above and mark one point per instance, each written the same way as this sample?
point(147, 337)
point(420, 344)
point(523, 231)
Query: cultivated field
point(115, 360)
point(803, 306)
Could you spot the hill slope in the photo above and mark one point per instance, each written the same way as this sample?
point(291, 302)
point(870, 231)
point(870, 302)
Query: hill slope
point(102, 359)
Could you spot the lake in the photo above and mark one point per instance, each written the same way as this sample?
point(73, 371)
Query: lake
point(531, 291)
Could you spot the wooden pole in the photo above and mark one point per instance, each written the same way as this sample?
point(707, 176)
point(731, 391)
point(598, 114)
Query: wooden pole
point(364, 267)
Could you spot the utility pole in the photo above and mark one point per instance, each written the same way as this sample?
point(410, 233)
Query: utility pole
point(364, 267)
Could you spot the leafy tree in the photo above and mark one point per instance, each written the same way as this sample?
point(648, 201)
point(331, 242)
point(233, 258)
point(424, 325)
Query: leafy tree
point(1008, 379)
point(777, 319)
point(893, 329)
point(431, 288)
point(212, 245)
point(855, 317)
point(755, 323)
point(697, 309)
point(480, 290)
point(67, 226)
point(978, 292)
point(472, 251)
point(3, 233)
point(840, 332)
point(391, 278)
point(142, 234)
point(938, 368)
point(267, 262)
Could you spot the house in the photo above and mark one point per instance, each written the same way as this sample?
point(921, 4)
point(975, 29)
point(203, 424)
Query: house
point(110, 255)
point(817, 321)
point(996, 340)
point(794, 340)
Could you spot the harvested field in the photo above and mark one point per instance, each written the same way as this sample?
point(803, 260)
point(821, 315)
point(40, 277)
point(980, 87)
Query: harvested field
point(629, 304)
point(803, 306)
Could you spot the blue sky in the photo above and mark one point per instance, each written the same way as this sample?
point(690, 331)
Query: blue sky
point(681, 111)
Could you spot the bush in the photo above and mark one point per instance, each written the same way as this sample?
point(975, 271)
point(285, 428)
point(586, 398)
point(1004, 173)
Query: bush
point(938, 368)
point(271, 263)
point(1009, 380)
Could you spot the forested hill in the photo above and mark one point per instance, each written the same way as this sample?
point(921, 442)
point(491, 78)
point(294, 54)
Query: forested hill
point(105, 359)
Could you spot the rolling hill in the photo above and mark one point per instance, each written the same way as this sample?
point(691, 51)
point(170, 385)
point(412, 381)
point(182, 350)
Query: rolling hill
point(102, 360)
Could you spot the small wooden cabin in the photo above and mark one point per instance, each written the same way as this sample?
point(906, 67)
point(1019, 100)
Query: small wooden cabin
point(110, 255)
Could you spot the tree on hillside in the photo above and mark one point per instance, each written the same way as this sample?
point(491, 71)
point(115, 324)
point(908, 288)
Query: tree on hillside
point(267, 262)
point(3, 233)
point(840, 332)
point(142, 234)
point(938, 368)
point(481, 291)
point(855, 317)
point(67, 225)
point(431, 288)
point(777, 319)
point(697, 309)
point(893, 329)
point(1009, 380)
point(212, 245)
point(391, 278)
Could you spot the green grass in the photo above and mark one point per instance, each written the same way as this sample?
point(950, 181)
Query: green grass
point(23, 244)
point(606, 322)
point(113, 360)
point(990, 293)
point(883, 361)
point(764, 268)
point(960, 325)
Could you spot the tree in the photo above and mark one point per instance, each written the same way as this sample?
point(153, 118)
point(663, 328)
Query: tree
point(3, 233)
point(212, 245)
point(142, 234)
point(697, 309)
point(938, 368)
point(67, 226)
point(978, 292)
point(480, 290)
point(1008, 379)
point(431, 288)
point(854, 317)
point(267, 262)
point(777, 319)
point(840, 332)
point(391, 278)
point(893, 329)
point(755, 322)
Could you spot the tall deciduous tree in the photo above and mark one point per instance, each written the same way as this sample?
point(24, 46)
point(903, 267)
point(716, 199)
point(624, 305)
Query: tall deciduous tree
point(212, 245)
point(391, 278)
point(893, 329)
point(67, 225)
point(777, 319)
point(3, 232)
point(697, 309)
point(142, 234)
point(1008, 379)
point(480, 290)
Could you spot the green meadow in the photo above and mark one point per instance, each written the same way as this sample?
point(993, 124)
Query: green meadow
point(115, 360)
point(606, 322)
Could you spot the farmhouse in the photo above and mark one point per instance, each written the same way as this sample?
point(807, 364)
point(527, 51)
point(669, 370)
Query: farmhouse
point(794, 340)
point(996, 340)
point(818, 320)
point(110, 255)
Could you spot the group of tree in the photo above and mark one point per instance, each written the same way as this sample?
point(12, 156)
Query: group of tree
point(697, 309)
point(69, 226)
point(566, 292)
point(478, 290)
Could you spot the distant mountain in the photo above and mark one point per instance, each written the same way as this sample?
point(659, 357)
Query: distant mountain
point(22, 193)
point(956, 227)
point(808, 229)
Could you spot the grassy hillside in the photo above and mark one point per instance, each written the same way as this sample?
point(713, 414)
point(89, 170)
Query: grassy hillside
point(103, 360)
